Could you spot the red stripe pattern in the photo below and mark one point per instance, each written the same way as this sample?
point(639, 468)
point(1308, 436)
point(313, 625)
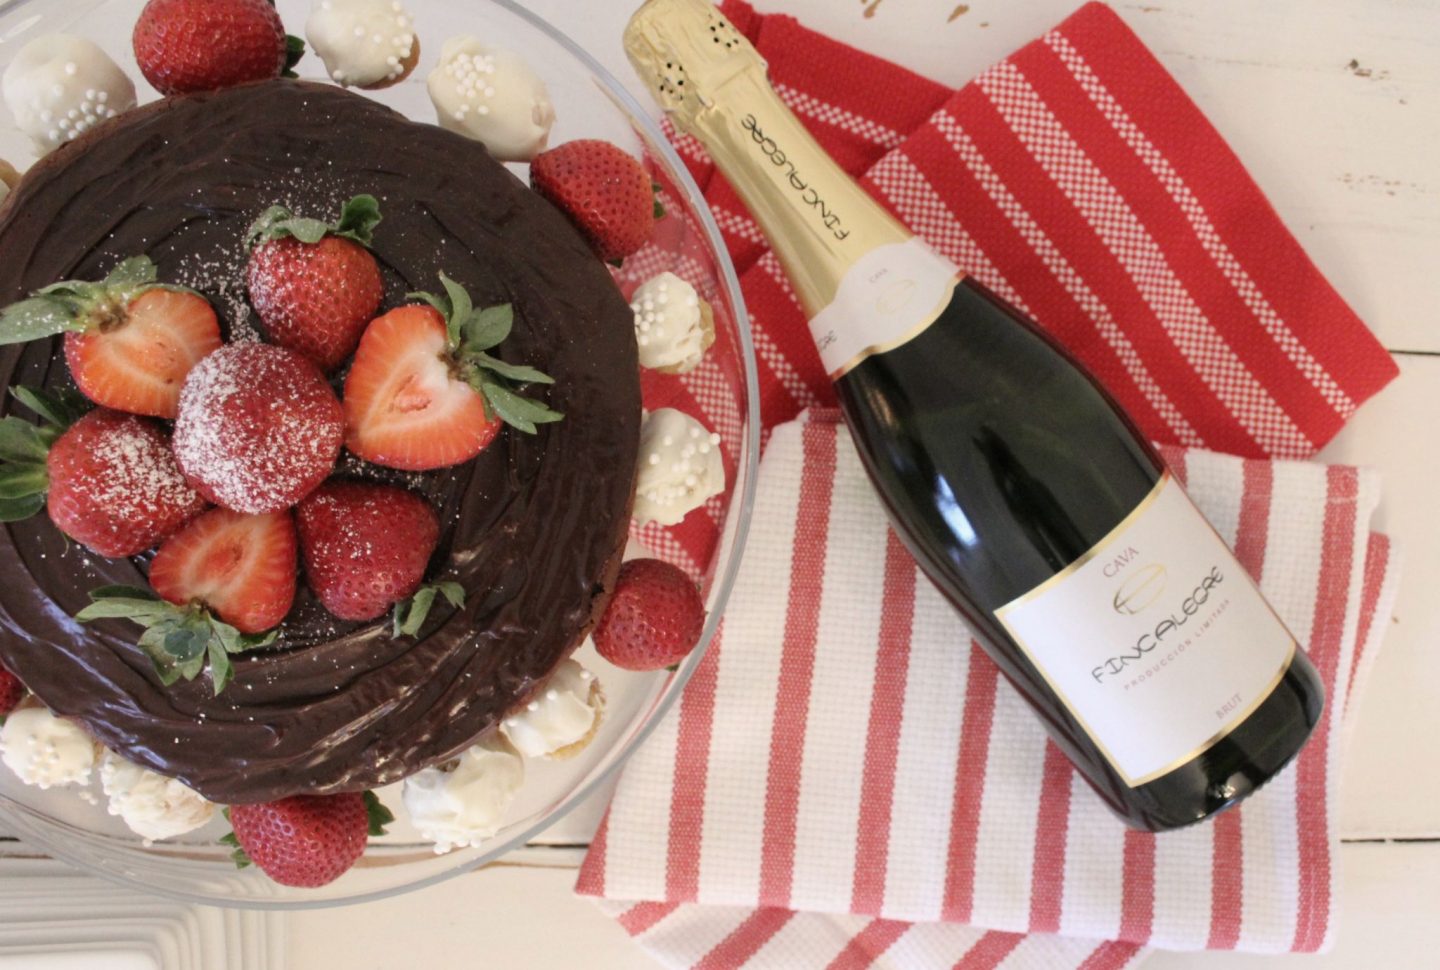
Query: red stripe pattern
point(1076, 180)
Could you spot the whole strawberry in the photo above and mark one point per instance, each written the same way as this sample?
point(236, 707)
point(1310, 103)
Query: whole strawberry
point(108, 480)
point(306, 840)
point(315, 285)
point(11, 691)
point(424, 392)
point(365, 546)
point(205, 45)
point(653, 620)
point(221, 585)
point(129, 341)
point(258, 429)
point(603, 190)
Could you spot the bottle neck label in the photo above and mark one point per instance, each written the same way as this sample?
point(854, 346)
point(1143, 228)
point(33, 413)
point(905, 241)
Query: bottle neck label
point(885, 299)
point(1156, 640)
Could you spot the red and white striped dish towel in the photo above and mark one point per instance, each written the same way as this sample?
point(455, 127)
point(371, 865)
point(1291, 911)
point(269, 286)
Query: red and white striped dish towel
point(845, 782)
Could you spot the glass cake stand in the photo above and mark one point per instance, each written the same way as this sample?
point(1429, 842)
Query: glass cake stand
point(72, 823)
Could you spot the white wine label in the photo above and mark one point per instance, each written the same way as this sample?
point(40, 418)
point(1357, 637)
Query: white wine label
point(890, 295)
point(1156, 639)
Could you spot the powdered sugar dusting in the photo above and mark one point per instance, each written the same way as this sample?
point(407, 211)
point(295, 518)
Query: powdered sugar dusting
point(258, 428)
point(140, 475)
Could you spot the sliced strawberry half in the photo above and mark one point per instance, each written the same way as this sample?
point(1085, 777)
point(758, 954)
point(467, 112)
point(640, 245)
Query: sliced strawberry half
point(223, 583)
point(129, 341)
point(423, 392)
point(240, 566)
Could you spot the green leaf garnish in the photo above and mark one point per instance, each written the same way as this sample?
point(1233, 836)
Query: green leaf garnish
point(357, 222)
point(182, 641)
point(470, 333)
point(294, 50)
point(377, 813)
point(238, 855)
point(410, 615)
point(24, 479)
point(659, 210)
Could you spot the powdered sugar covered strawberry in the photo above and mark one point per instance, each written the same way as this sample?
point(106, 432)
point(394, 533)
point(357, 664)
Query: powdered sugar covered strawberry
point(306, 840)
point(259, 428)
point(108, 480)
point(654, 619)
point(365, 546)
point(315, 285)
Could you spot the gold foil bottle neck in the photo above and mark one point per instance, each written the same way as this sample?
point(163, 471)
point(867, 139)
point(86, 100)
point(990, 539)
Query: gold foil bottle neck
point(687, 51)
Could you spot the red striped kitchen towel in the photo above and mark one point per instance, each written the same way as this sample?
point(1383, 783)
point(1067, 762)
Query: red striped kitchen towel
point(846, 782)
point(1077, 180)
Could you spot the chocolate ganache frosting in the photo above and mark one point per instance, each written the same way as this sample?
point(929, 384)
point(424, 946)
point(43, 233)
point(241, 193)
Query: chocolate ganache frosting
point(533, 528)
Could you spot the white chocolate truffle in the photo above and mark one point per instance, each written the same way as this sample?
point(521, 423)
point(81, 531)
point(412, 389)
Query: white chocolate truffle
point(561, 718)
point(680, 467)
point(155, 807)
point(44, 750)
point(464, 803)
point(60, 86)
point(673, 326)
point(364, 43)
point(491, 95)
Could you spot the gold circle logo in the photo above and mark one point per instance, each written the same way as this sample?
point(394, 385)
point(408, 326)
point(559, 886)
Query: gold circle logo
point(1140, 590)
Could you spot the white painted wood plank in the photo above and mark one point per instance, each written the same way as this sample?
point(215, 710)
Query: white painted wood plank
point(1391, 785)
point(1390, 894)
point(498, 917)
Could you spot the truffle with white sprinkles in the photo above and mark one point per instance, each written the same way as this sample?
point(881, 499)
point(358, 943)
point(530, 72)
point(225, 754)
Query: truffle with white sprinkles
point(60, 86)
point(680, 467)
point(153, 806)
point(464, 803)
point(364, 43)
point(44, 750)
point(492, 96)
point(562, 717)
point(673, 326)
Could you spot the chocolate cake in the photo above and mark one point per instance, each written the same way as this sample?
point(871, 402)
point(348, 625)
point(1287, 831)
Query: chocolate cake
point(533, 528)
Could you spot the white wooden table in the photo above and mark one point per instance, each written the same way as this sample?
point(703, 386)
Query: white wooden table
point(1335, 108)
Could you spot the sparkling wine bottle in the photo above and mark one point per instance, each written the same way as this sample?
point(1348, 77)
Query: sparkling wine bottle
point(1022, 489)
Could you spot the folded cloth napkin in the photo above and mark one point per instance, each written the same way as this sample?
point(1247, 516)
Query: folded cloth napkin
point(847, 782)
point(843, 754)
point(1077, 180)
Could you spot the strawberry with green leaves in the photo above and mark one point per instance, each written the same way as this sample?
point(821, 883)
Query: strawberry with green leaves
point(305, 840)
point(129, 340)
point(108, 480)
point(221, 586)
point(424, 392)
point(315, 285)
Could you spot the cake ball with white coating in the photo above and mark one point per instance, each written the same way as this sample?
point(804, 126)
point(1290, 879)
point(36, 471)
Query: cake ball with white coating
point(153, 806)
point(463, 803)
point(680, 467)
point(60, 86)
point(562, 717)
point(364, 43)
point(673, 325)
point(491, 95)
point(44, 750)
